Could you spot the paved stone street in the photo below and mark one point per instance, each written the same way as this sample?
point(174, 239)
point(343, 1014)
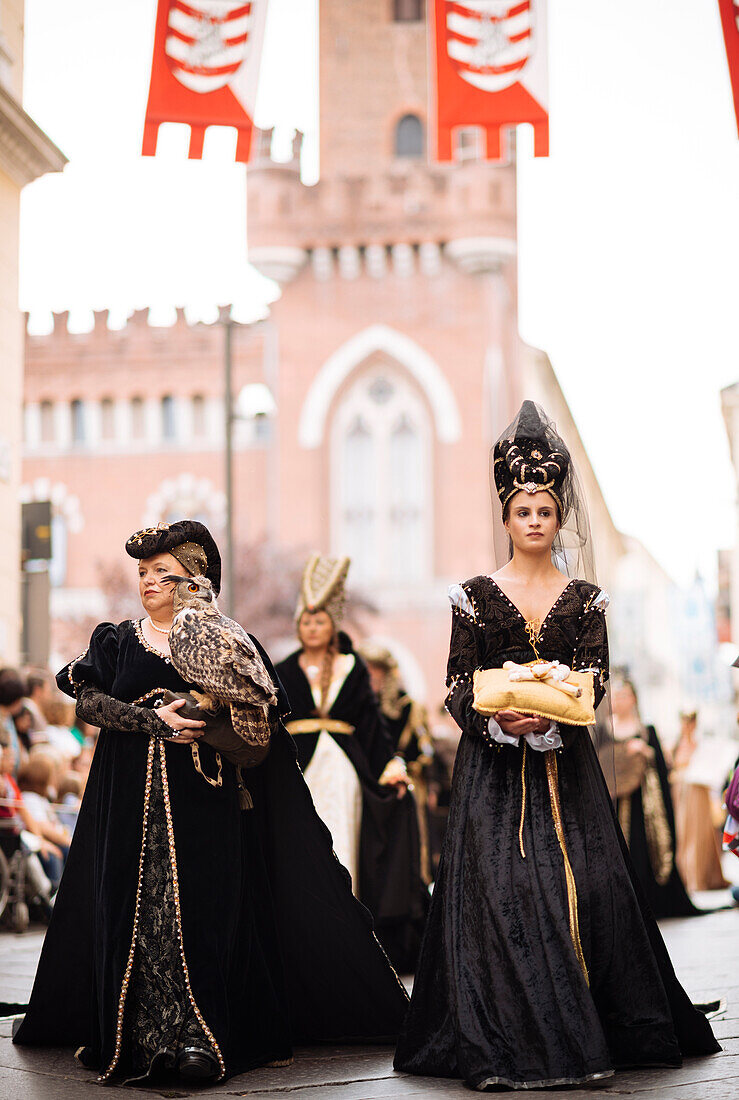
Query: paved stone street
point(705, 952)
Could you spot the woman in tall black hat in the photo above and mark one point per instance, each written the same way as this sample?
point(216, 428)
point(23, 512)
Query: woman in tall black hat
point(202, 925)
point(541, 965)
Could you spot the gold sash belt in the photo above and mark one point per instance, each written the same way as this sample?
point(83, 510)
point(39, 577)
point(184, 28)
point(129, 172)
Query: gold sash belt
point(316, 725)
point(550, 759)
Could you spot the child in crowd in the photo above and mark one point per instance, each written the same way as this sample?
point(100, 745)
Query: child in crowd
point(36, 780)
point(70, 796)
point(19, 829)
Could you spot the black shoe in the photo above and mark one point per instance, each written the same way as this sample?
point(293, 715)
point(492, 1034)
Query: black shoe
point(195, 1064)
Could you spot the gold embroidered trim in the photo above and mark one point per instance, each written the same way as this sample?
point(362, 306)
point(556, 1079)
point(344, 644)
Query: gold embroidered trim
point(553, 781)
point(176, 886)
point(134, 934)
point(152, 649)
point(659, 839)
point(149, 695)
point(70, 669)
point(523, 801)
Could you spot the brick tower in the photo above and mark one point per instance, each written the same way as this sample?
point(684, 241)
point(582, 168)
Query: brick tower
point(397, 328)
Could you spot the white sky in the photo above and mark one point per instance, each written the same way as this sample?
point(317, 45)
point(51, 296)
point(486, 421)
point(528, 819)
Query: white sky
point(628, 232)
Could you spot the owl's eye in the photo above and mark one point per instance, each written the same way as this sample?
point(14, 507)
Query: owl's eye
point(192, 587)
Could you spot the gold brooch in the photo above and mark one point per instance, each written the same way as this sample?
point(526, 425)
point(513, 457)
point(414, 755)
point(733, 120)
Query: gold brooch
point(139, 537)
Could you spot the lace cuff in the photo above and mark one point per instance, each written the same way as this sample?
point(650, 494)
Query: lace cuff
point(103, 710)
point(539, 742)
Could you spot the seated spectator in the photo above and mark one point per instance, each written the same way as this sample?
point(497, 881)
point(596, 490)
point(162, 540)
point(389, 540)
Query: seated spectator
point(19, 829)
point(35, 779)
point(81, 763)
point(23, 722)
point(71, 788)
point(41, 689)
point(12, 695)
point(58, 733)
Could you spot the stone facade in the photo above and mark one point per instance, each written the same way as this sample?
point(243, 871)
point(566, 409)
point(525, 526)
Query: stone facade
point(25, 153)
point(392, 356)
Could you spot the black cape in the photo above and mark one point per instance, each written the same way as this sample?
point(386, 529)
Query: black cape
point(669, 899)
point(500, 997)
point(279, 951)
point(390, 883)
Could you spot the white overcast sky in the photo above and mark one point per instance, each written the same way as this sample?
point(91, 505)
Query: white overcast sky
point(628, 232)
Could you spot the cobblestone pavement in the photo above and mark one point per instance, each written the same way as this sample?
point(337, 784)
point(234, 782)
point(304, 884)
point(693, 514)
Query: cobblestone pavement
point(705, 952)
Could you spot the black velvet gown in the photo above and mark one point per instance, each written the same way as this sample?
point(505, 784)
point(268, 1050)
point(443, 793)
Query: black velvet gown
point(183, 920)
point(390, 883)
point(668, 897)
point(500, 997)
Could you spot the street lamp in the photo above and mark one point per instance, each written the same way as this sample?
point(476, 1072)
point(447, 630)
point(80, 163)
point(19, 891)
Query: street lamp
point(254, 403)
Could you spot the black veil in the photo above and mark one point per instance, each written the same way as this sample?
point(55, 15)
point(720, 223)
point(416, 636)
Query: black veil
point(572, 550)
point(573, 554)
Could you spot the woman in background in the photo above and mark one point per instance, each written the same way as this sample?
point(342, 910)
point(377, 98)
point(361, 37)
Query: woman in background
point(358, 783)
point(646, 814)
point(698, 849)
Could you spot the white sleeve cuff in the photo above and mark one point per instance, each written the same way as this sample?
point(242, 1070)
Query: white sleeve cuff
point(542, 742)
point(539, 742)
point(497, 734)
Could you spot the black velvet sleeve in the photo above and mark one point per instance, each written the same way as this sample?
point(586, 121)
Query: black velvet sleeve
point(103, 710)
point(464, 658)
point(591, 648)
point(90, 678)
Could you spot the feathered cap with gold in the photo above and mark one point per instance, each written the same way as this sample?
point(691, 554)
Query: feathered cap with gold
point(323, 587)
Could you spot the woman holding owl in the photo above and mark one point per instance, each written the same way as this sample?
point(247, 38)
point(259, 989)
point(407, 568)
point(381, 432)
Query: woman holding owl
point(176, 943)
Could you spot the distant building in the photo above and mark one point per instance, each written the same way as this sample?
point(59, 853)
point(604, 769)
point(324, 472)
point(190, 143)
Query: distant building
point(666, 638)
point(392, 356)
point(25, 154)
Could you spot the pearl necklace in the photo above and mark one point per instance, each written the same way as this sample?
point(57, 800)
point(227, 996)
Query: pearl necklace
point(158, 629)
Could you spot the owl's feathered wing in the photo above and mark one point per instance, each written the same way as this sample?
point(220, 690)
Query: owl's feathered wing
point(216, 654)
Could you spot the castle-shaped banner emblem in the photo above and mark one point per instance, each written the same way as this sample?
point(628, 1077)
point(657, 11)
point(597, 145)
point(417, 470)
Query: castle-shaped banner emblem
point(490, 42)
point(205, 69)
point(489, 58)
point(207, 42)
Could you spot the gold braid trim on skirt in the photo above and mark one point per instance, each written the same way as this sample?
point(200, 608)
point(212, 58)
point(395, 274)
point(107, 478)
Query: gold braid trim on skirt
point(659, 839)
point(553, 781)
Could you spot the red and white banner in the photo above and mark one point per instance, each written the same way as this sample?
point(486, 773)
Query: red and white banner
point(730, 22)
point(489, 60)
point(205, 69)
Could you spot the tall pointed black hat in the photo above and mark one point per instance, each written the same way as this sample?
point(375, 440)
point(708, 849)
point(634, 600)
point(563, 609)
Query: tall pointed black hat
point(531, 458)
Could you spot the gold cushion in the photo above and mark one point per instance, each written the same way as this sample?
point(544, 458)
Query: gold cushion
point(494, 690)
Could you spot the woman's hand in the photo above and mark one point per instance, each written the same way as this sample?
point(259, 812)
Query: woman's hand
point(185, 730)
point(49, 849)
point(518, 725)
point(395, 775)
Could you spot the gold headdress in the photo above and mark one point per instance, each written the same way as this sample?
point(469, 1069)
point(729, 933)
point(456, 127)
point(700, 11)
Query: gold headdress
point(322, 587)
point(532, 460)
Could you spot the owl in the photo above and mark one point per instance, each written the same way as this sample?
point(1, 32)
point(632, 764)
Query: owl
point(215, 654)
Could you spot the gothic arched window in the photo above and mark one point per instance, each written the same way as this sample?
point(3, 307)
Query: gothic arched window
point(77, 415)
point(407, 11)
point(409, 137)
point(169, 427)
point(381, 495)
point(107, 418)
